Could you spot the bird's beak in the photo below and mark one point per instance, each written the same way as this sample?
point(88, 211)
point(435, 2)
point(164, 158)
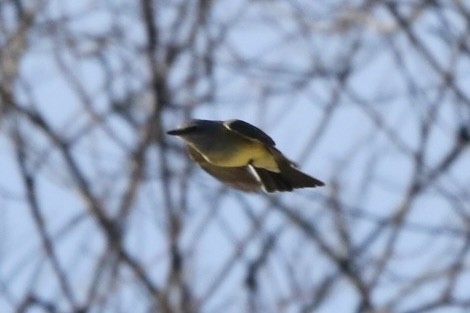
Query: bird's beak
point(174, 132)
point(178, 132)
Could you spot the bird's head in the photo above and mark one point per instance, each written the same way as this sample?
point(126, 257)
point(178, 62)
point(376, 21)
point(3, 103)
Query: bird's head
point(196, 130)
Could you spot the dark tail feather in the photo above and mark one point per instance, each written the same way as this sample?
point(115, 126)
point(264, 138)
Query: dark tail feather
point(272, 181)
point(298, 179)
point(288, 179)
point(291, 175)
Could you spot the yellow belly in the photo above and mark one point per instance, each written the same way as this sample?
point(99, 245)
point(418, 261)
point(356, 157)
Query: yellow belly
point(248, 153)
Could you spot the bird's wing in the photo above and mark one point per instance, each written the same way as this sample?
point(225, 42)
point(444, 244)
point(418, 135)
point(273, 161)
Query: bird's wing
point(249, 131)
point(236, 177)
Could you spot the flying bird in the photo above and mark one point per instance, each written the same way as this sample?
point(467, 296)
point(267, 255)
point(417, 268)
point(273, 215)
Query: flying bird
point(241, 156)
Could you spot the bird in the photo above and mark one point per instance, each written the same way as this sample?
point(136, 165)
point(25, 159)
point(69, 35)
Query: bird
point(241, 156)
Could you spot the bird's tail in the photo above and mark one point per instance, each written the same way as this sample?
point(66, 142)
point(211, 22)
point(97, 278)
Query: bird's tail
point(288, 177)
point(297, 179)
point(271, 181)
